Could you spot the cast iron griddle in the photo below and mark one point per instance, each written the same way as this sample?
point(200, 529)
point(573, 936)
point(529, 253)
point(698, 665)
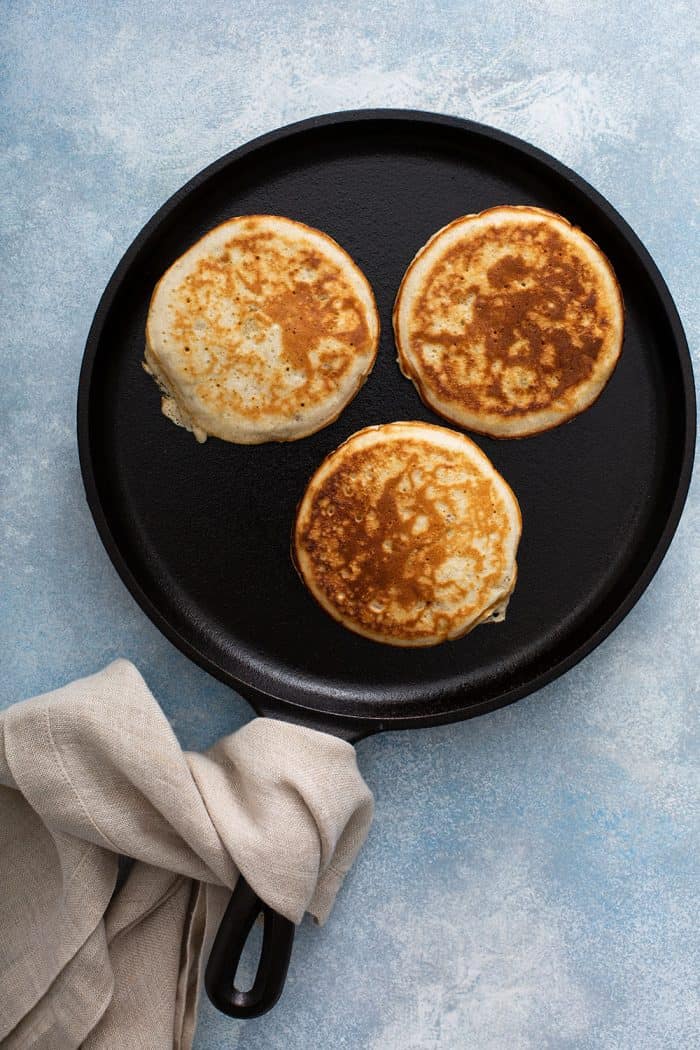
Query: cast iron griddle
point(200, 533)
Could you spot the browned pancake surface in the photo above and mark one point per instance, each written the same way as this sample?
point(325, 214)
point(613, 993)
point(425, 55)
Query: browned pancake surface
point(513, 326)
point(263, 330)
point(407, 534)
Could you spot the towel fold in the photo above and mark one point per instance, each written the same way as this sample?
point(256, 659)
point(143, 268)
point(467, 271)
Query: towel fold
point(93, 771)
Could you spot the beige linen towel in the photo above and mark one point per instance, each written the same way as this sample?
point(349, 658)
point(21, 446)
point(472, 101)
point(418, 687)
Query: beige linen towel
point(94, 770)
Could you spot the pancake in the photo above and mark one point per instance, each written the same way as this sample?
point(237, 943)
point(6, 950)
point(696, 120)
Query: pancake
point(264, 330)
point(509, 322)
point(407, 534)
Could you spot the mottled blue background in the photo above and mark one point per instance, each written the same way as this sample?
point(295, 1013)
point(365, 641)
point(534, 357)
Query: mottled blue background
point(531, 879)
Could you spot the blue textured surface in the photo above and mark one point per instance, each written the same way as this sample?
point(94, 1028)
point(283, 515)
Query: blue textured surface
point(531, 879)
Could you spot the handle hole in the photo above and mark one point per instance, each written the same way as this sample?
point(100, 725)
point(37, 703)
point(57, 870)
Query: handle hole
point(249, 961)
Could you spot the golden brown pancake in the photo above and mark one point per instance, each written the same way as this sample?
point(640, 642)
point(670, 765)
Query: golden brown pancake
point(509, 322)
point(264, 330)
point(407, 534)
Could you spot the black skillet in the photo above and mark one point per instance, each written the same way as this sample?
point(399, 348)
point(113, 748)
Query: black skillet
point(200, 534)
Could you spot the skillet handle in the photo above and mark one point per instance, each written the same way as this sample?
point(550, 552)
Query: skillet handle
point(278, 937)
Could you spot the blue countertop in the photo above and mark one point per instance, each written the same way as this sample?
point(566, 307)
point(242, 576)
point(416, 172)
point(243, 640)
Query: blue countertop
point(531, 878)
